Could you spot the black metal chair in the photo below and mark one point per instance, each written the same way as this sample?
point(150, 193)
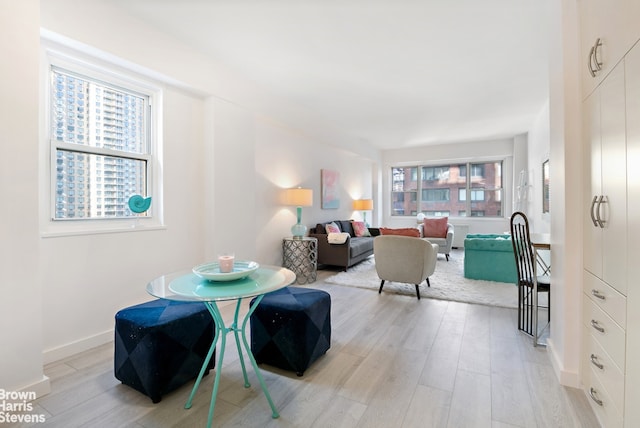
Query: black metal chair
point(529, 283)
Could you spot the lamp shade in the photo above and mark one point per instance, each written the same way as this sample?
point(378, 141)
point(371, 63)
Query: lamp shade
point(299, 197)
point(363, 204)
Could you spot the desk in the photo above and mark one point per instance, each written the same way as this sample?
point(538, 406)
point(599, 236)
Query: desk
point(186, 286)
point(541, 241)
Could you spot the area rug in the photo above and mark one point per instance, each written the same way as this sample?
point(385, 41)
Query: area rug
point(447, 283)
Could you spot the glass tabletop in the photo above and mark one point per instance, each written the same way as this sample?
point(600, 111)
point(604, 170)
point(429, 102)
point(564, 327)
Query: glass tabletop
point(187, 286)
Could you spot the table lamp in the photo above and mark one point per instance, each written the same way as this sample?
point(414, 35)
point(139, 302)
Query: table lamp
point(299, 198)
point(363, 205)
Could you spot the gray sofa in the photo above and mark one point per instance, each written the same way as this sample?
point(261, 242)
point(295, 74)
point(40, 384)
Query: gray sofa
point(353, 251)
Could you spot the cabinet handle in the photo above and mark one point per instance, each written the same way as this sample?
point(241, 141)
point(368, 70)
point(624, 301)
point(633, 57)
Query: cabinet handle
point(592, 394)
point(596, 293)
point(594, 361)
point(595, 325)
point(593, 204)
point(594, 64)
point(598, 218)
point(598, 63)
point(590, 62)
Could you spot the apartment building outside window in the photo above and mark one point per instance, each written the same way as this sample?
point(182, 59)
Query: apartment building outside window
point(469, 189)
point(100, 146)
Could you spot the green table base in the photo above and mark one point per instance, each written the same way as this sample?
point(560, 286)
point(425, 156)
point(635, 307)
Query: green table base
point(221, 333)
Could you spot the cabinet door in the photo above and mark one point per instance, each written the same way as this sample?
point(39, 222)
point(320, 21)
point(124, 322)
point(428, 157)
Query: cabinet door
point(611, 21)
point(613, 210)
point(592, 252)
point(632, 386)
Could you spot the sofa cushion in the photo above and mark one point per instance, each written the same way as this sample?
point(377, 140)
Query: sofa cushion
point(359, 246)
point(332, 228)
point(345, 226)
point(435, 227)
point(489, 243)
point(404, 231)
point(360, 229)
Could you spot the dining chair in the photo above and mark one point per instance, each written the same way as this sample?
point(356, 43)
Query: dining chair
point(530, 284)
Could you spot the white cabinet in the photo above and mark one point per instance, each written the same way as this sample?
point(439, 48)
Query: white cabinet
point(632, 385)
point(605, 222)
point(612, 23)
point(610, 364)
point(605, 355)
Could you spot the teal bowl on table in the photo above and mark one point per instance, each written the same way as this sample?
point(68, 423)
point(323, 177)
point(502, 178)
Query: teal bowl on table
point(211, 271)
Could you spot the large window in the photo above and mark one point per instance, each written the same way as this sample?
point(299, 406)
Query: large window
point(472, 189)
point(100, 146)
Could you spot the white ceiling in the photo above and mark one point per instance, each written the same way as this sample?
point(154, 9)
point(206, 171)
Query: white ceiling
point(393, 73)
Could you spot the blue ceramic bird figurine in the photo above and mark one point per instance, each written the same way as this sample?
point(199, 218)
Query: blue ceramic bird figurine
point(138, 204)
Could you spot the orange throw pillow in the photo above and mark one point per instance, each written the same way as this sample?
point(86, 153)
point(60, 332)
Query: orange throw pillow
point(406, 231)
point(435, 227)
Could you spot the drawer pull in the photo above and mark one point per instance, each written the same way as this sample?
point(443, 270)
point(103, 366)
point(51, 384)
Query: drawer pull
point(594, 361)
point(596, 293)
point(592, 394)
point(595, 325)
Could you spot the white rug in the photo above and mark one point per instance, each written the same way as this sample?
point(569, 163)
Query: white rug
point(447, 283)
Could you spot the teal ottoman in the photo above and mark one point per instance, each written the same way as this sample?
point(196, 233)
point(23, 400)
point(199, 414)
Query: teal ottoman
point(489, 257)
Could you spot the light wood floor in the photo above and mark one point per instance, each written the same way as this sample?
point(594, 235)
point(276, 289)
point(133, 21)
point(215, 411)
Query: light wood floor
point(394, 362)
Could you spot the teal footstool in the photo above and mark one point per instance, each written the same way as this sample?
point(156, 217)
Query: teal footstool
point(489, 257)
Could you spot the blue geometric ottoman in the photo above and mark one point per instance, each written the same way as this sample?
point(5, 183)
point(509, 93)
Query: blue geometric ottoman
point(291, 328)
point(161, 345)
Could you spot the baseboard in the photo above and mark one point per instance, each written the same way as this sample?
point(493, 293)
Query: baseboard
point(39, 388)
point(64, 351)
point(566, 378)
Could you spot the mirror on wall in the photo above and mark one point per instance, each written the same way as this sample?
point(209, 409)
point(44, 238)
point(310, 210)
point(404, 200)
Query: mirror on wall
point(545, 186)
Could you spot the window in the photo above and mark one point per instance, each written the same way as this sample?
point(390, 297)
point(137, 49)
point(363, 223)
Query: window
point(476, 194)
point(404, 190)
point(472, 189)
point(100, 143)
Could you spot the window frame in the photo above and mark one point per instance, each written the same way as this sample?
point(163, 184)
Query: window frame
point(112, 72)
point(464, 182)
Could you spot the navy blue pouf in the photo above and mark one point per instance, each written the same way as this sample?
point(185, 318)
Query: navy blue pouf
point(291, 328)
point(161, 345)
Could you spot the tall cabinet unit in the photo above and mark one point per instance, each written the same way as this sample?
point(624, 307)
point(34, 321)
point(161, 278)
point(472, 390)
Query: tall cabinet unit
point(605, 281)
point(632, 386)
point(610, 365)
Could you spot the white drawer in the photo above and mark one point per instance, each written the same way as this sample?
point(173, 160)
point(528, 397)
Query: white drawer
point(600, 401)
point(609, 375)
point(609, 334)
point(606, 297)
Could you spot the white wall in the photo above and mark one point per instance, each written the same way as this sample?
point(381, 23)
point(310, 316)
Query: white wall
point(89, 277)
point(20, 279)
point(539, 148)
point(225, 160)
point(565, 161)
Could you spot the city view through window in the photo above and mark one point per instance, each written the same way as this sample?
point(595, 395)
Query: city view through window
point(458, 190)
point(99, 135)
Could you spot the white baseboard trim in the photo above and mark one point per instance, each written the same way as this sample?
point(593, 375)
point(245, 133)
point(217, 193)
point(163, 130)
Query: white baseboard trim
point(566, 378)
point(64, 351)
point(40, 388)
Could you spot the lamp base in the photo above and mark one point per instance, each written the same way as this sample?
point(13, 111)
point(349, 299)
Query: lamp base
point(298, 230)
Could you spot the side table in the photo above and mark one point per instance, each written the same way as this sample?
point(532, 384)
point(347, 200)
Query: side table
point(300, 255)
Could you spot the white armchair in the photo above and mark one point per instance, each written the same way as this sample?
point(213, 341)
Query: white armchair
point(445, 243)
point(404, 259)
